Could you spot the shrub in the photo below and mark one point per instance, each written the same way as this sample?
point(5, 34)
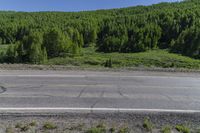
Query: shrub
point(49, 126)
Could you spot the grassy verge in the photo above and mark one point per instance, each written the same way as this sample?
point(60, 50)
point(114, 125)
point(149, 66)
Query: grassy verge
point(154, 58)
point(150, 59)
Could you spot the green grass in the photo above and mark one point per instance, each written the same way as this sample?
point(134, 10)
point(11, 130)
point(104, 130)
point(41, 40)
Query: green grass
point(150, 59)
point(154, 58)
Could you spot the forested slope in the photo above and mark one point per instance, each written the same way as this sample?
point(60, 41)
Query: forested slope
point(38, 36)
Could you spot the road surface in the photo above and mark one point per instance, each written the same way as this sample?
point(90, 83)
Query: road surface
point(112, 91)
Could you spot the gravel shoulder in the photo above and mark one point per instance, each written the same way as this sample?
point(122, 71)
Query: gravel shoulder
point(67, 68)
point(81, 122)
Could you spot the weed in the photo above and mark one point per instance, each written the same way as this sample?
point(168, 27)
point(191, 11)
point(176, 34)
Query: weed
point(79, 127)
point(112, 130)
point(182, 128)
point(124, 130)
point(96, 130)
point(166, 129)
point(24, 128)
point(101, 128)
point(148, 124)
point(33, 123)
point(49, 126)
point(18, 125)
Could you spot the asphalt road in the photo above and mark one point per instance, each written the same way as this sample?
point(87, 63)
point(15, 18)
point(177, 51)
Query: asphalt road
point(99, 90)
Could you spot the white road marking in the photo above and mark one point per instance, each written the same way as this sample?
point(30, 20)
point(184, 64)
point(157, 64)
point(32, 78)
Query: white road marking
point(101, 109)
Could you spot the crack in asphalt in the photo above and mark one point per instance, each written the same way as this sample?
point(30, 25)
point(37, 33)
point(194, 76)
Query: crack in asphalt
point(168, 97)
point(119, 89)
point(120, 92)
point(81, 92)
point(98, 100)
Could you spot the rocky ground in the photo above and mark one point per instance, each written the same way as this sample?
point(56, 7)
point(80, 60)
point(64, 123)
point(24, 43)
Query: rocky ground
point(99, 123)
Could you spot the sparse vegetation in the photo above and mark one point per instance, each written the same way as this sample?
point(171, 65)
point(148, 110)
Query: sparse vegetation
point(101, 128)
point(78, 127)
point(124, 130)
point(95, 130)
point(49, 126)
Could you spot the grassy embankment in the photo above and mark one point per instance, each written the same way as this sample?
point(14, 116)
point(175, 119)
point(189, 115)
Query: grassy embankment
point(154, 59)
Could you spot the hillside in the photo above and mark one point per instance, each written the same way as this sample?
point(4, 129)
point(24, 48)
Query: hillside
point(36, 37)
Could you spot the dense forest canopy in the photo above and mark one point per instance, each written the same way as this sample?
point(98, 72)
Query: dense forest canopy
point(35, 37)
